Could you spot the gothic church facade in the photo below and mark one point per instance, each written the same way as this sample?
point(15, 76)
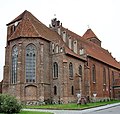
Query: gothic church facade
point(55, 63)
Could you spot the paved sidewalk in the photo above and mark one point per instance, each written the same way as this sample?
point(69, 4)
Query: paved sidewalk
point(75, 111)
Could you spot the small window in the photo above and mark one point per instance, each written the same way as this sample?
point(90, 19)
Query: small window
point(55, 90)
point(80, 70)
point(104, 76)
point(72, 90)
point(113, 76)
point(93, 74)
point(55, 70)
point(71, 70)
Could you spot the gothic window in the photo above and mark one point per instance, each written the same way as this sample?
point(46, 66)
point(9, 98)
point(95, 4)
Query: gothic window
point(80, 70)
point(104, 76)
point(14, 65)
point(93, 74)
point(71, 70)
point(55, 70)
point(30, 63)
point(72, 90)
point(55, 90)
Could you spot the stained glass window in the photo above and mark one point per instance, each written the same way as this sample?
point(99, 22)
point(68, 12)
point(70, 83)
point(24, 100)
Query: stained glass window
point(14, 65)
point(30, 63)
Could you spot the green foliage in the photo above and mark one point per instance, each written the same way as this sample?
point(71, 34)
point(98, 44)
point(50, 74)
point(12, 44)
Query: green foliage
point(9, 104)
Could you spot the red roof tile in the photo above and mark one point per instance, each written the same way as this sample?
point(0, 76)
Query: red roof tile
point(100, 54)
point(89, 34)
point(93, 50)
point(30, 26)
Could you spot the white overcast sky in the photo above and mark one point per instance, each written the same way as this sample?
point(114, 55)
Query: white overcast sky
point(102, 16)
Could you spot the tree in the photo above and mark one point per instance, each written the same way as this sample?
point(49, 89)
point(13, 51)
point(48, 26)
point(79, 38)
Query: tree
point(9, 104)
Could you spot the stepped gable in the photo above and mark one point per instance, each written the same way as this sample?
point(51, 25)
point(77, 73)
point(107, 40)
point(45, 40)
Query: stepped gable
point(30, 26)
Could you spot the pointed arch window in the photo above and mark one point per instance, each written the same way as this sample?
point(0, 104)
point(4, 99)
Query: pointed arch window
point(104, 76)
point(55, 70)
point(30, 63)
point(14, 65)
point(71, 70)
point(93, 73)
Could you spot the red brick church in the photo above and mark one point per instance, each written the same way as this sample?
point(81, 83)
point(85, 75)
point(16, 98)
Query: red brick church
point(53, 63)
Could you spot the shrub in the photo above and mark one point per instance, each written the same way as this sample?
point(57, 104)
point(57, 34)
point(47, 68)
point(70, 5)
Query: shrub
point(9, 104)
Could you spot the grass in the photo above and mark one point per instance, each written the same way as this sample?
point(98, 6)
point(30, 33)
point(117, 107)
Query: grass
point(72, 105)
point(34, 112)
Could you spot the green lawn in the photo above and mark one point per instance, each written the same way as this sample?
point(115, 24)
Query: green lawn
point(72, 106)
point(31, 112)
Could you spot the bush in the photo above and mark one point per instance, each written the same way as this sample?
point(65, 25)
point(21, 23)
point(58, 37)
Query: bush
point(9, 104)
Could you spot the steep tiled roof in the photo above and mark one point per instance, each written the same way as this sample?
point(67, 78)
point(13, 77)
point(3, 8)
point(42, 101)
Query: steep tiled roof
point(89, 34)
point(100, 54)
point(93, 50)
point(30, 26)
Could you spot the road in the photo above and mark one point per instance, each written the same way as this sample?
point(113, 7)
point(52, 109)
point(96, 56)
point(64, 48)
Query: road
point(112, 110)
point(108, 109)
